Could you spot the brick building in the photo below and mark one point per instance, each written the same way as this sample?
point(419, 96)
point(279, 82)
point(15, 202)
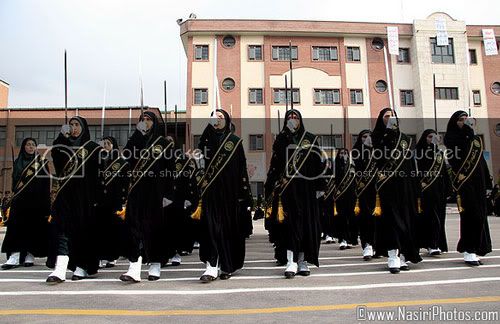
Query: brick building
point(338, 70)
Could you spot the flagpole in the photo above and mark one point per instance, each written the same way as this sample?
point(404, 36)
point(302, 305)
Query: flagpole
point(435, 103)
point(65, 88)
point(103, 114)
point(291, 74)
point(165, 103)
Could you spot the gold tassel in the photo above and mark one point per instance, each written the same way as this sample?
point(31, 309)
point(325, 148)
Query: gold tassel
point(7, 214)
point(281, 212)
point(121, 213)
point(378, 208)
point(419, 205)
point(459, 203)
point(335, 213)
point(49, 220)
point(268, 212)
point(196, 215)
point(357, 209)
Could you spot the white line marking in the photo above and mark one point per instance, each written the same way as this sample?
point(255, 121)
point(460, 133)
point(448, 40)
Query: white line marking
point(237, 277)
point(360, 264)
point(246, 290)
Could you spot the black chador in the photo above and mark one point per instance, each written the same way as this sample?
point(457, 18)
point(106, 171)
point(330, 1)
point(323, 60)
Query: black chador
point(327, 207)
point(469, 180)
point(184, 229)
point(74, 222)
point(396, 201)
point(344, 198)
point(28, 209)
point(296, 176)
point(112, 197)
point(434, 187)
point(150, 191)
point(366, 172)
point(224, 191)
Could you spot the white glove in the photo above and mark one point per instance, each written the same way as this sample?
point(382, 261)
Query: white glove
point(319, 194)
point(141, 127)
point(65, 130)
point(187, 204)
point(101, 143)
point(436, 139)
point(392, 122)
point(471, 122)
point(368, 141)
point(166, 202)
point(213, 120)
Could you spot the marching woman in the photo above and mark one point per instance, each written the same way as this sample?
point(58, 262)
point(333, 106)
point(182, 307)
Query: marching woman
point(344, 200)
point(74, 222)
point(112, 196)
point(470, 178)
point(296, 179)
point(366, 169)
point(396, 198)
point(28, 209)
point(433, 179)
point(151, 162)
point(224, 191)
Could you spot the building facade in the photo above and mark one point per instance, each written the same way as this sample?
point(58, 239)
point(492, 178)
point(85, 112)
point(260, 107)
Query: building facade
point(340, 79)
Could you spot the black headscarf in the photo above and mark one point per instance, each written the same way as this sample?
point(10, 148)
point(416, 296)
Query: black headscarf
point(115, 151)
point(422, 142)
point(84, 135)
point(340, 163)
point(22, 161)
point(212, 137)
point(359, 141)
point(456, 136)
point(301, 129)
point(155, 131)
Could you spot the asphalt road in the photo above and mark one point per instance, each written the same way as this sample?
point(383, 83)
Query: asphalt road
point(334, 292)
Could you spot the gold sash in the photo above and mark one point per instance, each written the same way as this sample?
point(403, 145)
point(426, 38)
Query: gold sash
point(392, 166)
point(434, 171)
point(470, 163)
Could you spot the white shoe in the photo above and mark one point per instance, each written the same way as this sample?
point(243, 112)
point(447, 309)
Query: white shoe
point(154, 271)
point(59, 274)
point(29, 260)
point(343, 245)
point(176, 260)
point(110, 264)
point(12, 262)
point(102, 264)
point(367, 252)
point(210, 274)
point(134, 272)
point(329, 239)
point(471, 259)
point(291, 266)
point(393, 262)
point(196, 245)
point(79, 274)
point(403, 264)
point(434, 251)
point(302, 268)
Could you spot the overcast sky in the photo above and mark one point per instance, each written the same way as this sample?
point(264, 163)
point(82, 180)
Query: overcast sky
point(106, 40)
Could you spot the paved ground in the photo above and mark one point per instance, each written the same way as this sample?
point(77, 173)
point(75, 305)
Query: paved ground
point(332, 293)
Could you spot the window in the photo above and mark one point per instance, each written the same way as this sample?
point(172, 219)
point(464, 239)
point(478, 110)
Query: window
point(472, 57)
point(120, 132)
point(406, 97)
point(256, 142)
point(404, 55)
point(495, 88)
point(381, 86)
point(442, 54)
point(228, 84)
point(3, 135)
point(228, 41)
point(356, 96)
point(257, 188)
point(330, 141)
point(476, 95)
point(353, 54)
point(44, 135)
point(279, 96)
point(200, 96)
point(377, 43)
point(255, 96)
point(497, 130)
point(282, 53)
point(324, 53)
point(326, 96)
point(255, 52)
point(201, 52)
point(196, 141)
point(447, 93)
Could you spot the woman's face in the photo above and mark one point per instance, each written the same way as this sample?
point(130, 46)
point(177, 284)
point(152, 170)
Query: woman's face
point(386, 117)
point(221, 120)
point(429, 138)
point(76, 128)
point(30, 147)
point(107, 145)
point(148, 121)
point(461, 121)
point(364, 137)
